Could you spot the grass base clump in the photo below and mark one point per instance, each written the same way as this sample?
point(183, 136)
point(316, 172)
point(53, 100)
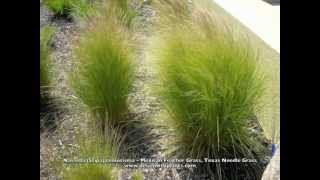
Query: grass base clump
point(105, 72)
point(59, 7)
point(98, 148)
point(211, 86)
point(71, 8)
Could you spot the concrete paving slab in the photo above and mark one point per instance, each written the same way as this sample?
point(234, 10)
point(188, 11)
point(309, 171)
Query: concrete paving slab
point(260, 17)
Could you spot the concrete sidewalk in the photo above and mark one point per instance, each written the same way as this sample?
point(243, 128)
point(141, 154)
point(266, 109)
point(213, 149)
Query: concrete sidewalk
point(260, 17)
point(272, 171)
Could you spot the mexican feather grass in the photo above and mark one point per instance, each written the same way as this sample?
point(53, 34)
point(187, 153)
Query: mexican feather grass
point(93, 150)
point(105, 72)
point(211, 87)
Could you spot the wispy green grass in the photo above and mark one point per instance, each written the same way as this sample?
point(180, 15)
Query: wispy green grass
point(59, 7)
point(46, 34)
point(123, 4)
point(269, 116)
point(172, 11)
point(94, 147)
point(71, 8)
point(118, 9)
point(92, 172)
point(123, 10)
point(105, 71)
point(211, 87)
point(88, 10)
point(84, 9)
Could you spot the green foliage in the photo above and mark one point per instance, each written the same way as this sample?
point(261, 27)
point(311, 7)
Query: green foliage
point(59, 7)
point(46, 34)
point(123, 4)
point(137, 175)
point(83, 9)
point(210, 85)
point(75, 8)
point(172, 11)
point(92, 172)
point(86, 9)
point(124, 11)
point(105, 71)
point(95, 148)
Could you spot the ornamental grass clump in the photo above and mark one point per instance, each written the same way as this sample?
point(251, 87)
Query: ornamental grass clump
point(71, 8)
point(210, 86)
point(59, 7)
point(105, 71)
point(91, 161)
point(118, 9)
point(83, 9)
point(123, 10)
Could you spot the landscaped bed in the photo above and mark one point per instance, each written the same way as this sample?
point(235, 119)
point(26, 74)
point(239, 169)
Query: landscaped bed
point(154, 80)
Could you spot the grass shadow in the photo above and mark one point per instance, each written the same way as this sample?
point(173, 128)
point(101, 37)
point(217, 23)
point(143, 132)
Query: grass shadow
point(244, 169)
point(139, 141)
point(59, 17)
point(50, 113)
